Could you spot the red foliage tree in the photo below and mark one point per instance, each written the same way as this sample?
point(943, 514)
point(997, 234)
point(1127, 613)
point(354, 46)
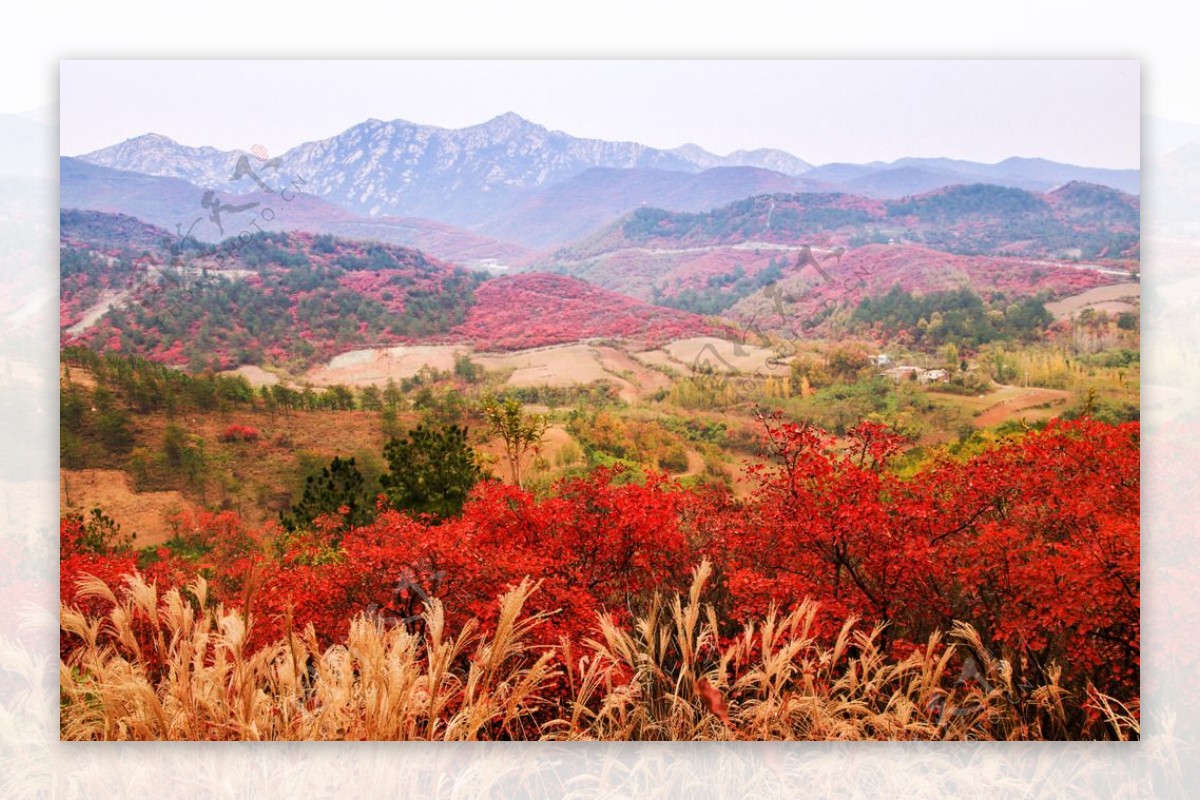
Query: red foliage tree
point(1034, 543)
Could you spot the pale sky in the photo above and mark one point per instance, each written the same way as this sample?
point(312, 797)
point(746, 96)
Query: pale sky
point(1081, 112)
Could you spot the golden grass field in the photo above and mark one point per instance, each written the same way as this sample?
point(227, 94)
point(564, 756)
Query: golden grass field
point(665, 677)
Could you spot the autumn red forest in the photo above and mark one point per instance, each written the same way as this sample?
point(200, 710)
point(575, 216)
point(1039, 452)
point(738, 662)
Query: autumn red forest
point(795, 464)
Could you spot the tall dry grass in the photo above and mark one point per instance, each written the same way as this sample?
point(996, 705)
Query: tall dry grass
point(667, 676)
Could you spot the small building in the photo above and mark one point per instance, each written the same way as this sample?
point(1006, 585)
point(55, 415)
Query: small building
point(935, 375)
point(905, 372)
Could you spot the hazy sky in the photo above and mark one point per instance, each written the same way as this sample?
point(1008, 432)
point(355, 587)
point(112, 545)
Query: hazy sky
point(1083, 112)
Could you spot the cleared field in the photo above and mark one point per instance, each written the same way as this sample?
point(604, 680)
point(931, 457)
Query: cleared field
point(1022, 400)
point(1114, 299)
point(633, 377)
point(1006, 403)
point(660, 358)
point(257, 376)
point(561, 366)
point(143, 513)
point(558, 366)
point(377, 365)
point(719, 354)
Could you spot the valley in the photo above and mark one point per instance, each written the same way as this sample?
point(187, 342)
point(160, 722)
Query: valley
point(692, 318)
point(504, 362)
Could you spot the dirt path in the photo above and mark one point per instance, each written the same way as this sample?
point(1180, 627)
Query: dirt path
point(695, 465)
point(90, 317)
point(1025, 398)
point(749, 245)
point(1095, 268)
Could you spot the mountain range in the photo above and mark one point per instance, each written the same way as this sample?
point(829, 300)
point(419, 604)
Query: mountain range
point(605, 239)
point(513, 180)
point(175, 205)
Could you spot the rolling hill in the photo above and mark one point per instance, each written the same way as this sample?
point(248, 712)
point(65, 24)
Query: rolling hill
point(988, 237)
point(972, 219)
point(531, 310)
point(292, 299)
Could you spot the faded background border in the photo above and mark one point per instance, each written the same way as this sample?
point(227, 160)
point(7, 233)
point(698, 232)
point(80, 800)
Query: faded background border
point(33, 763)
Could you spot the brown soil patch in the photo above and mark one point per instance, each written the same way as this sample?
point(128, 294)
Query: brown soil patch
point(562, 366)
point(257, 376)
point(260, 479)
point(639, 380)
point(143, 513)
point(558, 366)
point(78, 376)
point(660, 358)
point(1023, 399)
point(377, 365)
point(721, 355)
point(1114, 298)
point(555, 439)
point(695, 464)
point(743, 485)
